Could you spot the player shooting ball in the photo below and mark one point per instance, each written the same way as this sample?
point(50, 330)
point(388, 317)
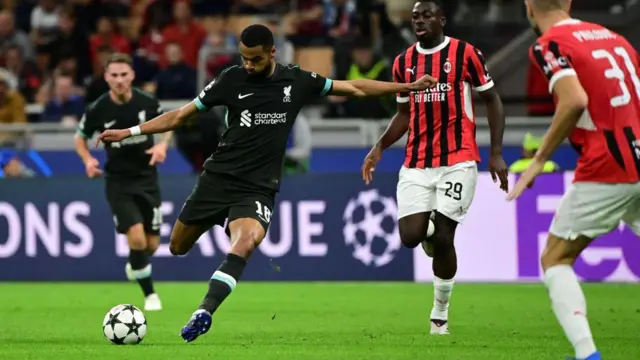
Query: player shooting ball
point(241, 179)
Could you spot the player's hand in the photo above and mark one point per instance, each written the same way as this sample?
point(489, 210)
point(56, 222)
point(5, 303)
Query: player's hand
point(498, 170)
point(425, 82)
point(158, 153)
point(526, 180)
point(370, 163)
point(91, 167)
point(109, 136)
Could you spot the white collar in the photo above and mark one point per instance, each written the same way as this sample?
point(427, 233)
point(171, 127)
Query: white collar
point(434, 50)
point(567, 22)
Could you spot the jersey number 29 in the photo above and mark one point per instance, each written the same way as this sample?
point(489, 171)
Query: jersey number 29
point(615, 72)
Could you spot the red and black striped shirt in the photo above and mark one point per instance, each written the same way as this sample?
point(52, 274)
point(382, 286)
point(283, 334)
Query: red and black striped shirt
point(442, 126)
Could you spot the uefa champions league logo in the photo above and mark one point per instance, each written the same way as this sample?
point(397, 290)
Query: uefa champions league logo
point(371, 229)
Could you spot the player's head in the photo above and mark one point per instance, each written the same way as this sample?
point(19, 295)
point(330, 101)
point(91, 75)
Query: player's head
point(428, 19)
point(538, 10)
point(119, 73)
point(257, 49)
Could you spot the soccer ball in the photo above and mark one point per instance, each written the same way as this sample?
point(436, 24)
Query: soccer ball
point(124, 325)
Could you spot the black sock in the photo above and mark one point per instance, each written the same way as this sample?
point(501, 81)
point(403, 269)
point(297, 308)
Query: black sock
point(222, 282)
point(139, 260)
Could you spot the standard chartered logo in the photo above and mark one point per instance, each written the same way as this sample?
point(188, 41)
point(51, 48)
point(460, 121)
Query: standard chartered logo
point(247, 119)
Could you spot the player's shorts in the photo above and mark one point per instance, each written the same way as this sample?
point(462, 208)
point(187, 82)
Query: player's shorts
point(595, 209)
point(218, 197)
point(134, 203)
point(448, 190)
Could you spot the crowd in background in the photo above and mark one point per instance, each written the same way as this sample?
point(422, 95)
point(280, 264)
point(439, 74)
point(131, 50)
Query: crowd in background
point(52, 52)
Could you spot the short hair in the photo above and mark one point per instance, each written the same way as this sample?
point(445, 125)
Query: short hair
point(550, 5)
point(257, 35)
point(119, 58)
point(438, 3)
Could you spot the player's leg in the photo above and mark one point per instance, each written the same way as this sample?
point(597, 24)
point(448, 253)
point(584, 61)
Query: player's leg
point(586, 212)
point(204, 208)
point(149, 204)
point(456, 190)
point(248, 224)
point(416, 200)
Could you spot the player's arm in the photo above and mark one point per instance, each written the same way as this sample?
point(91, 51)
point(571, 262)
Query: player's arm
point(212, 95)
point(86, 129)
point(571, 98)
point(366, 87)
point(482, 82)
point(400, 122)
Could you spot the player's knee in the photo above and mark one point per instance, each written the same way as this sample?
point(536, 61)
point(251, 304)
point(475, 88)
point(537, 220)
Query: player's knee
point(152, 246)
point(443, 239)
point(246, 242)
point(411, 236)
point(175, 246)
point(136, 242)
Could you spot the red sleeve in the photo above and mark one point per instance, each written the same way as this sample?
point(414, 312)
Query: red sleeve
point(477, 70)
point(398, 77)
point(549, 58)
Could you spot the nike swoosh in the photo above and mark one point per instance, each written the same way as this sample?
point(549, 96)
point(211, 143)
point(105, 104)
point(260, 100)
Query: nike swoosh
point(109, 124)
point(240, 96)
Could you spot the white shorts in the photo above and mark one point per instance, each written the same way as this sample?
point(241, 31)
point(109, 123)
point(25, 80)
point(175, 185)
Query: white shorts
point(595, 209)
point(447, 189)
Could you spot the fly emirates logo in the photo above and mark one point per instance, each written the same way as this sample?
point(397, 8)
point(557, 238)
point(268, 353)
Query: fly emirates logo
point(437, 93)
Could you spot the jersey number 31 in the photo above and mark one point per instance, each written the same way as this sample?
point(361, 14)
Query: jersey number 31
point(615, 72)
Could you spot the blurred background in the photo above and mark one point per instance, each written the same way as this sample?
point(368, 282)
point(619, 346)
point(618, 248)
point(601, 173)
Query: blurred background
point(51, 62)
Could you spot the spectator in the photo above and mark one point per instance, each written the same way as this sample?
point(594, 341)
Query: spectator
point(12, 110)
point(11, 166)
point(71, 39)
point(530, 145)
point(98, 85)
point(305, 25)
point(28, 79)
point(186, 32)
point(44, 22)
point(65, 107)
point(150, 50)
point(9, 36)
point(106, 35)
point(366, 65)
point(177, 80)
point(215, 8)
point(220, 46)
point(256, 7)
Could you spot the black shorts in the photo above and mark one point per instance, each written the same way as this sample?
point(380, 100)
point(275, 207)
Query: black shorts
point(135, 203)
point(218, 197)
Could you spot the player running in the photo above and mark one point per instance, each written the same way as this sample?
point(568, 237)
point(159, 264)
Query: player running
point(439, 175)
point(593, 74)
point(132, 186)
point(242, 177)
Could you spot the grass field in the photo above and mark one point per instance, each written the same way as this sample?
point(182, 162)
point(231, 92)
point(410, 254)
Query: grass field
point(313, 321)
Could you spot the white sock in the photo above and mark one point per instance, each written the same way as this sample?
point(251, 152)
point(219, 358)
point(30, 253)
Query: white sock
point(570, 307)
point(441, 294)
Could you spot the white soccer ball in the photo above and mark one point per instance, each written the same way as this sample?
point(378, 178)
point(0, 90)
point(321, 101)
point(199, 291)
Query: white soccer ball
point(124, 325)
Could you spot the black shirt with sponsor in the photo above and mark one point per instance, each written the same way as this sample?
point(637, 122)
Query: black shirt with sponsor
point(127, 159)
point(260, 113)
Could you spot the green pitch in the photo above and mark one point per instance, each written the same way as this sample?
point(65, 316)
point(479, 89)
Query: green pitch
point(305, 321)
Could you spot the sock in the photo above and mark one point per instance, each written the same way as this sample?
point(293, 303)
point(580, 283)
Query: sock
point(570, 307)
point(222, 282)
point(441, 294)
point(139, 260)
